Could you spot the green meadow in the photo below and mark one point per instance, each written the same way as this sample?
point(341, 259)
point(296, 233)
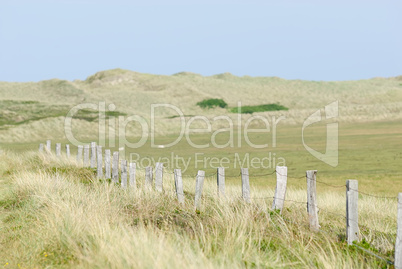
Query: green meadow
point(368, 152)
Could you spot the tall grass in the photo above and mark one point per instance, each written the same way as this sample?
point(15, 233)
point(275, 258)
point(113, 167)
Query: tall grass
point(54, 213)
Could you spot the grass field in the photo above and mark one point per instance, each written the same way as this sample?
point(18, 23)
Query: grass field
point(56, 214)
point(368, 152)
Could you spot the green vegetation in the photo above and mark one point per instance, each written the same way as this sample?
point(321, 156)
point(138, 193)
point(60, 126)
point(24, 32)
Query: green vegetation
point(114, 113)
point(20, 112)
point(212, 103)
point(14, 112)
point(258, 108)
point(178, 116)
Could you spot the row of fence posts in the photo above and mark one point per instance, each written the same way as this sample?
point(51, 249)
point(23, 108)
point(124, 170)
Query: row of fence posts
point(92, 155)
point(58, 148)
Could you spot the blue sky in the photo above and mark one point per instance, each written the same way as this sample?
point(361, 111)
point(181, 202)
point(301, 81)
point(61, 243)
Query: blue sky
point(311, 40)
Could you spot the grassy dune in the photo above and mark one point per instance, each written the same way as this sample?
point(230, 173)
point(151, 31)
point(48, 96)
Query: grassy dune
point(377, 99)
point(55, 214)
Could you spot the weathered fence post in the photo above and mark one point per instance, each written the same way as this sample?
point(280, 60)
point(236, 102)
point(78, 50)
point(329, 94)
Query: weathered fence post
point(93, 154)
point(245, 185)
point(68, 150)
point(41, 147)
point(132, 167)
point(79, 153)
point(48, 146)
point(124, 174)
point(159, 177)
point(199, 182)
point(86, 155)
point(148, 177)
point(220, 180)
point(58, 149)
point(398, 243)
point(115, 167)
point(352, 225)
point(107, 164)
point(178, 183)
point(312, 208)
point(99, 170)
point(280, 190)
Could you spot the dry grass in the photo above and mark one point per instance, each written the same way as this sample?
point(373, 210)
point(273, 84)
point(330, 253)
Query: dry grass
point(55, 214)
point(375, 99)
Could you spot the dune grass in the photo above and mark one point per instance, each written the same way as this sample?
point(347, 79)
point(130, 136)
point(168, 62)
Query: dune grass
point(14, 113)
point(54, 213)
point(377, 99)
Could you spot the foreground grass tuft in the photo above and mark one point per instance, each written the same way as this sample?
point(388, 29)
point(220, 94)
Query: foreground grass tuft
point(65, 218)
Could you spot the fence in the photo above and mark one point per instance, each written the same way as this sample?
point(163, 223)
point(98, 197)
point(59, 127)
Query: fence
point(92, 156)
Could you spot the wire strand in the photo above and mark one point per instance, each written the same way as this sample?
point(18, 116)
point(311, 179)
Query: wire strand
point(372, 195)
point(373, 254)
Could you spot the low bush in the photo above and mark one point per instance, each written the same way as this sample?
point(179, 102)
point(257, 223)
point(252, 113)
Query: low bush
point(258, 108)
point(212, 103)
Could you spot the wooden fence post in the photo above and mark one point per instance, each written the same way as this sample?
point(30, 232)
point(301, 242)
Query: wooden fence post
point(79, 153)
point(124, 174)
point(99, 170)
point(49, 146)
point(352, 225)
point(398, 243)
point(107, 164)
point(86, 155)
point(159, 177)
point(41, 147)
point(280, 190)
point(148, 177)
point(132, 167)
point(115, 167)
point(312, 208)
point(178, 183)
point(245, 185)
point(68, 151)
point(199, 182)
point(93, 154)
point(58, 149)
point(220, 180)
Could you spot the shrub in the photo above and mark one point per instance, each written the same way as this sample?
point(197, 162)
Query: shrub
point(212, 103)
point(258, 108)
